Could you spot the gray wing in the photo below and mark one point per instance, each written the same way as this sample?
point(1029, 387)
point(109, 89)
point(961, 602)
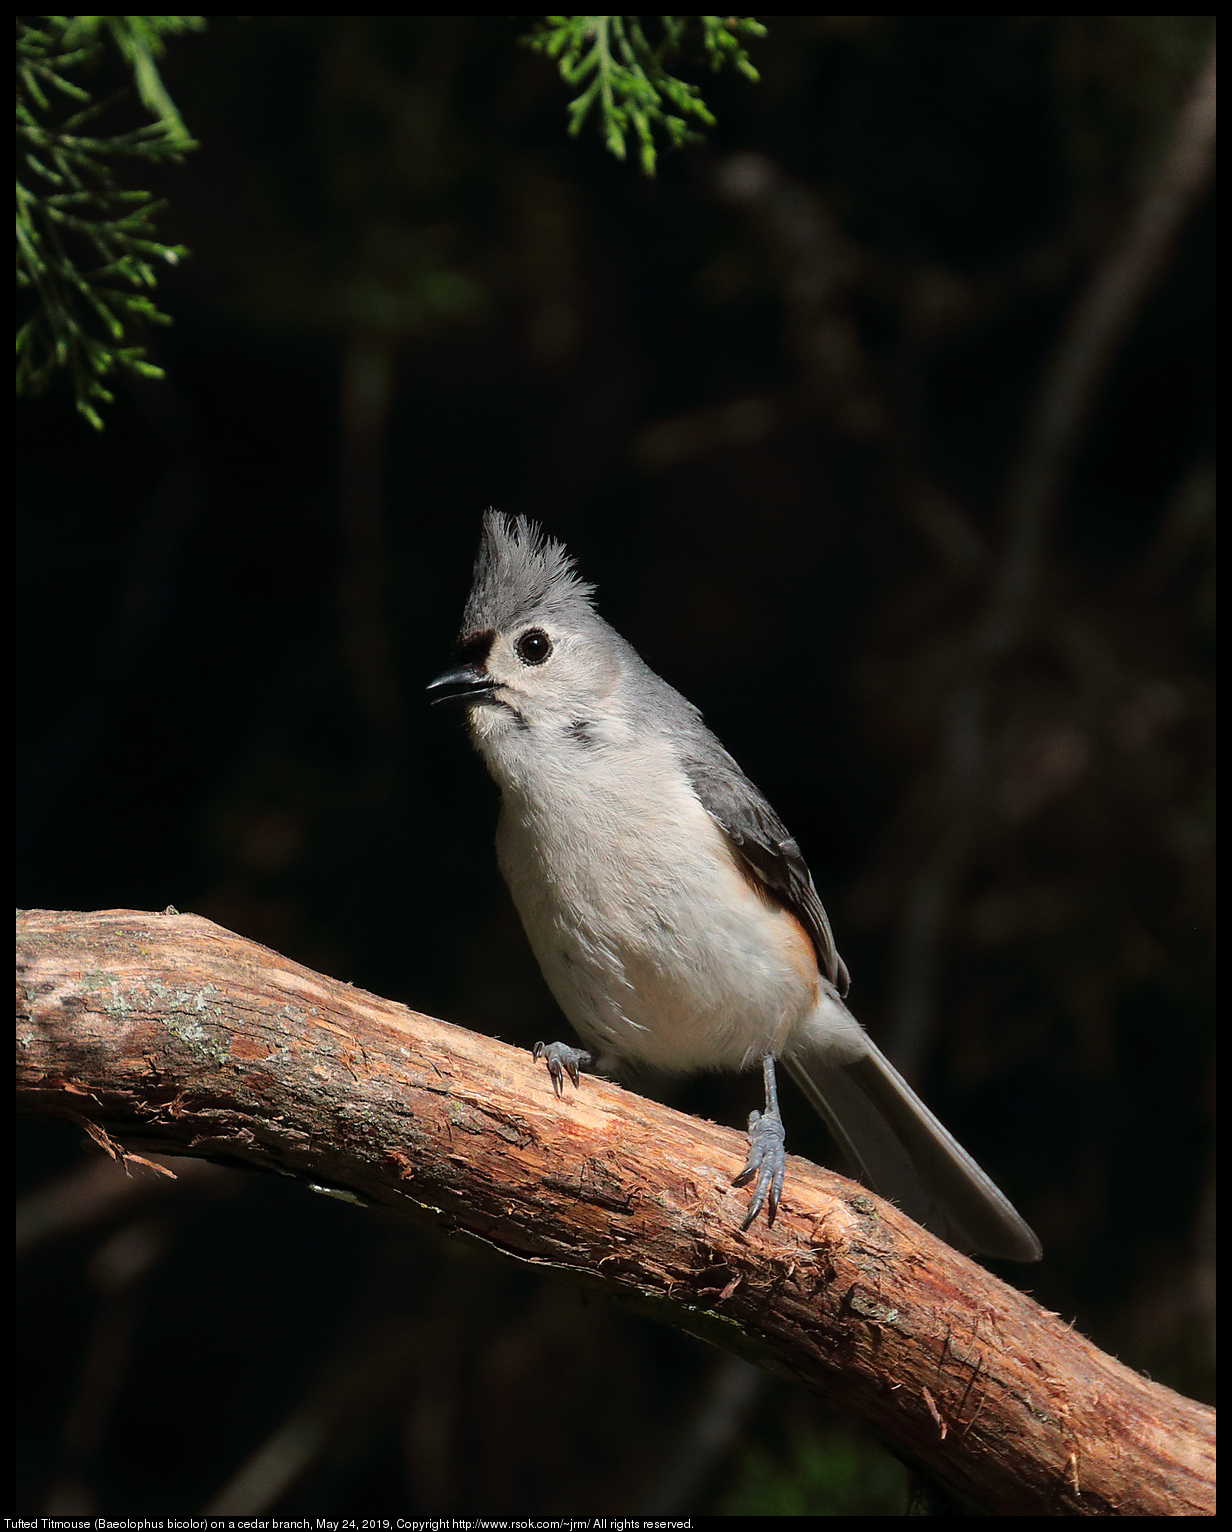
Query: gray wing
point(762, 842)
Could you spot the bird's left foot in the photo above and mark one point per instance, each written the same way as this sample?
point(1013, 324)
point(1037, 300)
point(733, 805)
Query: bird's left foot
point(563, 1060)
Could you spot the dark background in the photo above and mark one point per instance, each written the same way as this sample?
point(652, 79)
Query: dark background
point(774, 401)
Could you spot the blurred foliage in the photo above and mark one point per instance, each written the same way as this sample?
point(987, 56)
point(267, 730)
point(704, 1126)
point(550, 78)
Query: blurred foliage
point(774, 399)
point(824, 1473)
point(628, 84)
point(75, 213)
point(365, 236)
point(1119, 81)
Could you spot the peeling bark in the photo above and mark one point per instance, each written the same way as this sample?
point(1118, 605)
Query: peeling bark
point(165, 1033)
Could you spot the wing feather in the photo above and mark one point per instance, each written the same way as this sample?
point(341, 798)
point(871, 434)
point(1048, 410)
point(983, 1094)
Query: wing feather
point(762, 842)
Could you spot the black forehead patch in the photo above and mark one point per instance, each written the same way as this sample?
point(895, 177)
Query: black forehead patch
point(474, 648)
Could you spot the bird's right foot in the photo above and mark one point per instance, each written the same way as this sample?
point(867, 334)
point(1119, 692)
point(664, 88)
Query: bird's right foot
point(767, 1162)
point(767, 1159)
point(563, 1060)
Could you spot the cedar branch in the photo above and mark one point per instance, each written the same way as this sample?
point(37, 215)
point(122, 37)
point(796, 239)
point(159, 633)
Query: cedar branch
point(166, 1033)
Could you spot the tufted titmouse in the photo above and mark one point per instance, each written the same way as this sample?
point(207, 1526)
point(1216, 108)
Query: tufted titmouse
point(672, 914)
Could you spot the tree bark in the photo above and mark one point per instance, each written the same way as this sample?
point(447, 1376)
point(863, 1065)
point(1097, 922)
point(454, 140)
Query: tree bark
point(166, 1033)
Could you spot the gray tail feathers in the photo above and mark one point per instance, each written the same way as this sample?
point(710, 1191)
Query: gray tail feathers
point(895, 1145)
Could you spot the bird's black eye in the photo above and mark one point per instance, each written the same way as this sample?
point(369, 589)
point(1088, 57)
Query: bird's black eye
point(533, 647)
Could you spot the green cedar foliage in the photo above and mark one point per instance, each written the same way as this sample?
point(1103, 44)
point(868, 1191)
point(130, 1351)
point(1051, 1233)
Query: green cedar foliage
point(624, 77)
point(86, 250)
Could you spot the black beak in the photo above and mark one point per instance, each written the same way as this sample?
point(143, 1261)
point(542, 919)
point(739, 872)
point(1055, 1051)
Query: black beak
point(465, 684)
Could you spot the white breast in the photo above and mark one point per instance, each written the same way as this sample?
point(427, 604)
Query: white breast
point(655, 946)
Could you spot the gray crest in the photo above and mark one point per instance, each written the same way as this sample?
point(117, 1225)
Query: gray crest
point(520, 571)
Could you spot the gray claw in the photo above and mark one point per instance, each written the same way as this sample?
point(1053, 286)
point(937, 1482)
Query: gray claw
point(563, 1060)
point(767, 1161)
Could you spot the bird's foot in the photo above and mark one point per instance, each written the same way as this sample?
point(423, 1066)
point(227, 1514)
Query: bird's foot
point(563, 1060)
point(767, 1161)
